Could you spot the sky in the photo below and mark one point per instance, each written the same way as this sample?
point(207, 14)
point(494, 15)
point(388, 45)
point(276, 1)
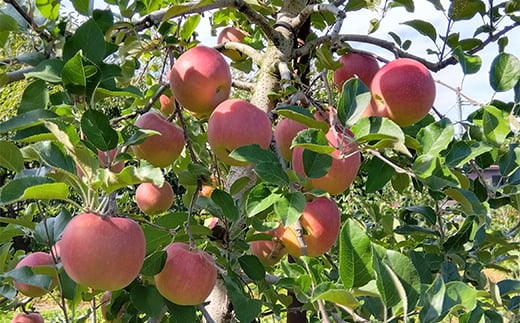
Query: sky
point(476, 86)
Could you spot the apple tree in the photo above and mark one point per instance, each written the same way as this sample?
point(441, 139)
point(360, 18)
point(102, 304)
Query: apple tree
point(290, 171)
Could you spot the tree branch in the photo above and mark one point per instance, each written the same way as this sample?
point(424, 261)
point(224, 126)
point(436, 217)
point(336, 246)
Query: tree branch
point(245, 49)
point(315, 8)
point(43, 33)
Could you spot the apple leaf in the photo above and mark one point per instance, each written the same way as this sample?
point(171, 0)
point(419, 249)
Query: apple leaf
point(32, 187)
point(96, 127)
point(50, 154)
point(7, 291)
point(246, 309)
point(495, 125)
point(505, 72)
point(49, 231)
point(147, 299)
point(436, 137)
point(374, 130)
point(456, 242)
point(88, 40)
point(465, 9)
point(267, 166)
point(301, 115)
point(26, 120)
point(48, 70)
point(11, 157)
point(226, 204)
point(355, 255)
point(130, 175)
point(461, 152)
point(48, 8)
point(315, 165)
point(328, 292)
point(432, 171)
point(182, 314)
point(508, 163)
point(252, 267)
point(470, 64)
point(389, 287)
point(290, 207)
point(314, 140)
point(423, 27)
point(26, 275)
point(35, 97)
point(260, 198)
point(378, 174)
point(469, 202)
point(354, 99)
point(154, 263)
point(405, 271)
point(427, 212)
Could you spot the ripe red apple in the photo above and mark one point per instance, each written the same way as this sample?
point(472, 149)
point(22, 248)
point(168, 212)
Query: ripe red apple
point(33, 317)
point(104, 253)
point(200, 79)
point(152, 199)
point(35, 259)
point(236, 123)
point(188, 276)
point(404, 89)
point(167, 104)
point(345, 164)
point(284, 133)
point(321, 222)
point(354, 64)
point(269, 252)
point(231, 34)
point(161, 149)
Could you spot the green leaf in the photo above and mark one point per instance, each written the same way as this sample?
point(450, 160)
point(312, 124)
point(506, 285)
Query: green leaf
point(147, 299)
point(188, 27)
point(88, 39)
point(32, 187)
point(423, 27)
point(325, 60)
point(470, 64)
point(510, 162)
point(433, 302)
point(26, 275)
point(271, 172)
point(505, 72)
point(252, 267)
point(328, 292)
point(154, 263)
point(182, 314)
point(48, 8)
point(461, 152)
point(50, 154)
point(407, 274)
point(48, 70)
point(432, 172)
point(226, 204)
point(246, 309)
point(355, 255)
point(260, 198)
point(301, 115)
point(353, 101)
point(84, 7)
point(387, 284)
point(469, 202)
point(316, 165)
point(354, 5)
point(11, 157)
point(379, 173)
point(314, 140)
point(130, 175)
point(436, 137)
point(267, 165)
point(375, 130)
point(427, 212)
point(49, 231)
point(495, 125)
point(179, 9)
point(35, 97)
point(97, 129)
point(289, 207)
point(73, 75)
point(8, 23)
point(456, 242)
point(465, 9)
point(26, 120)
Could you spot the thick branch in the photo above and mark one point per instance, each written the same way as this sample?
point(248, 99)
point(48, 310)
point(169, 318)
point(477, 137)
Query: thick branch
point(315, 8)
point(18, 75)
point(245, 49)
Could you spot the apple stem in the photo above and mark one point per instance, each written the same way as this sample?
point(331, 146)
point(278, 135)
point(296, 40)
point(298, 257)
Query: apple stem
point(299, 236)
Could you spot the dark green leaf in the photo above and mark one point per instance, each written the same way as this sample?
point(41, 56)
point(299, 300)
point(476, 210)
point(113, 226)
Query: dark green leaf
point(272, 173)
point(313, 139)
point(32, 188)
point(147, 299)
point(49, 231)
point(423, 27)
point(35, 97)
point(154, 263)
point(53, 156)
point(226, 204)
point(379, 173)
point(510, 161)
point(246, 309)
point(432, 172)
point(88, 39)
point(97, 129)
point(182, 314)
point(427, 212)
point(315, 165)
point(404, 269)
point(456, 242)
point(353, 101)
point(252, 267)
point(73, 75)
point(387, 283)
point(8, 23)
point(290, 207)
point(11, 157)
point(84, 7)
point(495, 125)
point(26, 275)
point(505, 72)
point(260, 198)
point(469, 202)
point(433, 302)
point(355, 255)
point(462, 152)
point(407, 4)
point(436, 137)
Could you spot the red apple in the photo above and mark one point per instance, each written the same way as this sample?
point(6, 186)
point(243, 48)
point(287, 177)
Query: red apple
point(33, 317)
point(200, 79)
point(152, 199)
point(269, 252)
point(284, 133)
point(188, 276)
point(167, 104)
point(321, 222)
point(35, 259)
point(236, 123)
point(162, 149)
point(354, 64)
point(345, 164)
point(231, 34)
point(104, 253)
point(404, 89)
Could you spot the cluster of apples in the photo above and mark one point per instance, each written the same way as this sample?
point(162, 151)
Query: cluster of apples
point(403, 90)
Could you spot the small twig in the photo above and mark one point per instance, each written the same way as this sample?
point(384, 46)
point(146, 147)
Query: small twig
point(178, 113)
point(459, 92)
point(388, 162)
point(205, 313)
point(241, 85)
